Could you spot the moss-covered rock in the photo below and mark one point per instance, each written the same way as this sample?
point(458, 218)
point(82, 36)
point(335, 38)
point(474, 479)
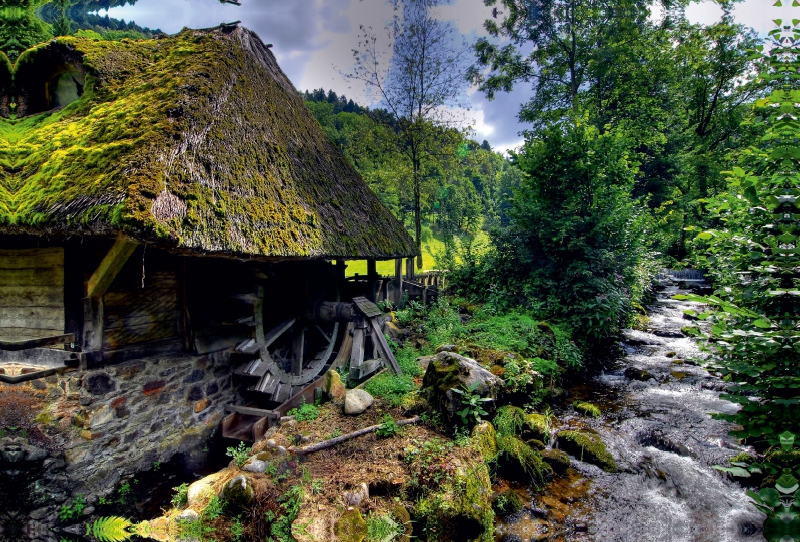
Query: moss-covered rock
point(536, 444)
point(518, 461)
point(508, 502)
point(509, 421)
point(239, 491)
point(448, 371)
point(402, 516)
point(460, 510)
point(557, 459)
point(351, 526)
point(632, 373)
point(484, 439)
point(587, 446)
point(587, 408)
point(537, 426)
point(333, 387)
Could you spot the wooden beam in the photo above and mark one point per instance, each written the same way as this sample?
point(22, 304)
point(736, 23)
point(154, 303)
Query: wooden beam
point(298, 346)
point(110, 267)
point(251, 411)
point(67, 338)
point(383, 346)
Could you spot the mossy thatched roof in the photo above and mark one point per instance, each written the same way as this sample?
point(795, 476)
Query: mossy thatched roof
point(196, 141)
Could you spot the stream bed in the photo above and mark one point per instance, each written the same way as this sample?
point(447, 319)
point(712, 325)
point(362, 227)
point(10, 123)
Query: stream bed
point(656, 422)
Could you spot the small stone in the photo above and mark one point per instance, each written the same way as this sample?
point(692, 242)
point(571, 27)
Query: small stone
point(188, 515)
point(271, 443)
point(202, 405)
point(446, 348)
point(88, 511)
point(99, 383)
point(280, 450)
point(671, 354)
point(39, 513)
point(305, 439)
point(255, 465)
point(357, 401)
point(356, 496)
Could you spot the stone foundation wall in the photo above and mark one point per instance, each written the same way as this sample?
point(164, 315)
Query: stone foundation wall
point(141, 412)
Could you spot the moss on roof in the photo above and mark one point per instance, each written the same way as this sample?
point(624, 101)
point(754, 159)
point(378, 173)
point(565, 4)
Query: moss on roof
point(196, 141)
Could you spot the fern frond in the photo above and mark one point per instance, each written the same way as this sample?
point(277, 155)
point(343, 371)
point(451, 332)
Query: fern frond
point(111, 529)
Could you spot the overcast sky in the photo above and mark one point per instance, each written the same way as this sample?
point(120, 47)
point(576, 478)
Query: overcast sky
point(313, 40)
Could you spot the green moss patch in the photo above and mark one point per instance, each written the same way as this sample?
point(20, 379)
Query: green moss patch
point(587, 447)
point(587, 408)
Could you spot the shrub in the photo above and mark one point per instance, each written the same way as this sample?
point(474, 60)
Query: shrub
point(388, 428)
point(305, 412)
point(72, 511)
point(181, 496)
point(240, 454)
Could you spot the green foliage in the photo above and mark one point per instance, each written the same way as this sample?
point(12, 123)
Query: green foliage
point(507, 502)
point(181, 496)
point(281, 526)
point(388, 428)
point(214, 509)
point(383, 528)
point(240, 454)
point(431, 462)
point(513, 450)
point(110, 529)
point(305, 412)
point(509, 421)
point(472, 410)
point(72, 511)
point(236, 529)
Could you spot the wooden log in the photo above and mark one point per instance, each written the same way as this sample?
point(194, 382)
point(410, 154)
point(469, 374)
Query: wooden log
point(305, 450)
point(109, 267)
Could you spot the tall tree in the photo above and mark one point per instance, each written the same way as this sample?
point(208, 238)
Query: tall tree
point(417, 74)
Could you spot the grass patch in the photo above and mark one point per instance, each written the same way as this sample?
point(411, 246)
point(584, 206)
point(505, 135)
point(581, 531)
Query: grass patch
point(383, 528)
point(391, 387)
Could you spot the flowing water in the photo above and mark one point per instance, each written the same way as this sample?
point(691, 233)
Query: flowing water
point(665, 443)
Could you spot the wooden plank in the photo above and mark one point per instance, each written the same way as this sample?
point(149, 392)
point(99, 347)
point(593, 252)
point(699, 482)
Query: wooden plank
point(306, 395)
point(252, 411)
point(15, 334)
point(137, 319)
point(298, 351)
point(139, 334)
point(277, 331)
point(48, 276)
point(366, 369)
point(145, 297)
point(346, 347)
point(32, 258)
point(367, 307)
point(109, 267)
point(383, 346)
point(357, 352)
point(37, 343)
point(92, 324)
point(283, 392)
point(31, 296)
point(33, 317)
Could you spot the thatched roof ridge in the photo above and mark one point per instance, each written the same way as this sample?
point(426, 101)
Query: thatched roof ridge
point(197, 141)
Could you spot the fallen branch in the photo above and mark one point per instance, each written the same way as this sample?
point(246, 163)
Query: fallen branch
point(342, 438)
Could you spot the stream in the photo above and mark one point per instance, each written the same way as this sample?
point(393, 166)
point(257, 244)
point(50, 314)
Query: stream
point(664, 441)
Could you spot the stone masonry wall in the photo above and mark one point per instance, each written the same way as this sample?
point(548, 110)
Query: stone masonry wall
point(141, 412)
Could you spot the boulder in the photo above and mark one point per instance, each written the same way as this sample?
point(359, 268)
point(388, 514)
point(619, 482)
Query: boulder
point(537, 427)
point(392, 330)
point(632, 373)
point(447, 371)
point(333, 387)
point(446, 348)
point(357, 401)
point(201, 491)
point(239, 491)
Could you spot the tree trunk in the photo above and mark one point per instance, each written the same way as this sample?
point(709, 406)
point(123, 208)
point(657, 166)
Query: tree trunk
point(417, 212)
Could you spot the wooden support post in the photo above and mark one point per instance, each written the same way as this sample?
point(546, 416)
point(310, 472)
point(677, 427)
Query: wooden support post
point(398, 276)
point(372, 278)
point(298, 344)
point(410, 268)
point(92, 324)
point(341, 270)
point(383, 347)
point(110, 267)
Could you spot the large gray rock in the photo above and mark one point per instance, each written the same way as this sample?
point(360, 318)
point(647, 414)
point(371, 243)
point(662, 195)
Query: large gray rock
point(447, 371)
point(357, 401)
